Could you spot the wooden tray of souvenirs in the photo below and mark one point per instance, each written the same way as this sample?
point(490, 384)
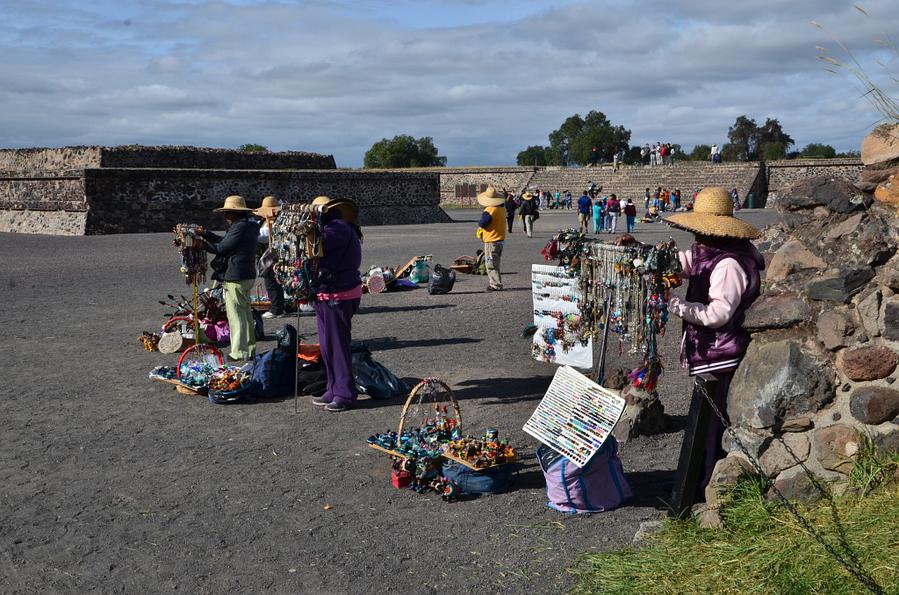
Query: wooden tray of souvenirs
point(181, 387)
point(472, 466)
point(393, 453)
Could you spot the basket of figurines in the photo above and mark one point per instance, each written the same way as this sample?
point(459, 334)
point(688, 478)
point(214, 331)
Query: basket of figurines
point(229, 384)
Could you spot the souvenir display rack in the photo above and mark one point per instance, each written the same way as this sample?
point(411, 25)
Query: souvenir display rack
point(625, 289)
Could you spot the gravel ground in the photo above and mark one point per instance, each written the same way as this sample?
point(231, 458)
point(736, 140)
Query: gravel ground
point(110, 482)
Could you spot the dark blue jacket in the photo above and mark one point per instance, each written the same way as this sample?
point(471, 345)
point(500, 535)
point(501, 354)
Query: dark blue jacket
point(235, 254)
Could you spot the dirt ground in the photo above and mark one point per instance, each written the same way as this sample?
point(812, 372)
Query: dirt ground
point(111, 482)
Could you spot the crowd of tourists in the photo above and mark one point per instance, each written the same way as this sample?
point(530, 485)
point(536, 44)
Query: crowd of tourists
point(657, 154)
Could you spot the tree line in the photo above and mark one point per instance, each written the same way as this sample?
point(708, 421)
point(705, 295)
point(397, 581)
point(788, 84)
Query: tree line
point(584, 140)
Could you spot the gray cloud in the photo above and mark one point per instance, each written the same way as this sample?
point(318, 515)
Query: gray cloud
point(335, 77)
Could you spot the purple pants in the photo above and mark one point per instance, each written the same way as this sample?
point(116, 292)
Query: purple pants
point(714, 452)
point(334, 321)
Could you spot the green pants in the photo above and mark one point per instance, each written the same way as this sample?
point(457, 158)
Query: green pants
point(240, 318)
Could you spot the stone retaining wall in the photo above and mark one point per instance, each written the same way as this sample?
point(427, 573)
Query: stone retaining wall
point(127, 200)
point(781, 174)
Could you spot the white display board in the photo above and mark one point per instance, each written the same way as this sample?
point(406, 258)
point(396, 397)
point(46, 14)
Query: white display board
point(555, 291)
point(576, 416)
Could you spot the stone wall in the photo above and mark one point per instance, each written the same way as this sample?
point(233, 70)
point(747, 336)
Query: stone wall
point(818, 379)
point(77, 190)
point(459, 185)
point(781, 174)
point(128, 200)
point(41, 163)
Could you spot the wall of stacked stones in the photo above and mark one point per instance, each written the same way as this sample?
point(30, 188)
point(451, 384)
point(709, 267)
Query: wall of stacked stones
point(452, 181)
point(819, 377)
point(781, 174)
point(130, 200)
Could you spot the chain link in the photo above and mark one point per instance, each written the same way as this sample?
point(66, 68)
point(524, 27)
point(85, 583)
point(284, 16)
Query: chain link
point(853, 565)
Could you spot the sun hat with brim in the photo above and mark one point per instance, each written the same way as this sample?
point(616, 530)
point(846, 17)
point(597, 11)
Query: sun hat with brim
point(269, 207)
point(491, 198)
point(234, 204)
point(349, 210)
point(713, 215)
point(527, 196)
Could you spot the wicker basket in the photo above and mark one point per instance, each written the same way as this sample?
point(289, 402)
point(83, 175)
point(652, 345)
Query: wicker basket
point(418, 393)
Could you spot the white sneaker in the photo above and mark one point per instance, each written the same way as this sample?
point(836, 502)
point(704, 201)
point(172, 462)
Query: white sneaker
point(268, 315)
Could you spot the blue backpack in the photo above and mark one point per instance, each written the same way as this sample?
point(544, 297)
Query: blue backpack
point(275, 371)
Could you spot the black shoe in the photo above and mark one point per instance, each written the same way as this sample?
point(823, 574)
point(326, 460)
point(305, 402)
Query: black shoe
point(335, 407)
point(491, 288)
point(319, 402)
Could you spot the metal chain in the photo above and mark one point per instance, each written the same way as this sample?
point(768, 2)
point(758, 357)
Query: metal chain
point(854, 569)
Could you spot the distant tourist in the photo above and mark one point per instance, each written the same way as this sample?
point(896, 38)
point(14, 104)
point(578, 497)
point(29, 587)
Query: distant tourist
point(630, 213)
point(676, 199)
point(646, 198)
point(613, 210)
point(268, 212)
point(584, 208)
point(715, 154)
point(735, 196)
point(529, 213)
point(511, 207)
point(492, 231)
point(598, 216)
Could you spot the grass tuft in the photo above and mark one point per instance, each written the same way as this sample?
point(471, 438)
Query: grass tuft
point(762, 549)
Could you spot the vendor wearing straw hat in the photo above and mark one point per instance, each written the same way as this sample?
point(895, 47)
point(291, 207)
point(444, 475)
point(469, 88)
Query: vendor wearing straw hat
point(234, 266)
point(723, 268)
point(492, 230)
point(338, 294)
point(268, 211)
point(529, 212)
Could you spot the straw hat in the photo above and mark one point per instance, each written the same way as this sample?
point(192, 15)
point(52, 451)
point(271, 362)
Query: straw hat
point(491, 198)
point(349, 210)
point(234, 204)
point(527, 196)
point(269, 209)
point(713, 215)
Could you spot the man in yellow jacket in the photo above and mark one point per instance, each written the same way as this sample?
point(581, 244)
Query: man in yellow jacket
point(492, 230)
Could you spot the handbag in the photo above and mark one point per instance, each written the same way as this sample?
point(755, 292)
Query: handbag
point(265, 263)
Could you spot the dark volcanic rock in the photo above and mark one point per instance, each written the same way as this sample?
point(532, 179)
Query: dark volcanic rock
point(890, 322)
point(837, 195)
point(777, 311)
point(778, 380)
point(840, 286)
point(874, 404)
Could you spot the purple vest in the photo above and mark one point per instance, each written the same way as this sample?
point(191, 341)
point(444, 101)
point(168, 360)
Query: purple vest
point(703, 345)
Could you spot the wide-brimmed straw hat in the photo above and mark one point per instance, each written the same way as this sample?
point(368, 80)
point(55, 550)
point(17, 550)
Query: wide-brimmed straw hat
point(234, 204)
point(349, 210)
point(713, 215)
point(269, 208)
point(491, 198)
point(527, 196)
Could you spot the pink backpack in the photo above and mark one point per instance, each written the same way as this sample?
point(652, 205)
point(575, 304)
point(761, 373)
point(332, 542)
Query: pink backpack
point(599, 486)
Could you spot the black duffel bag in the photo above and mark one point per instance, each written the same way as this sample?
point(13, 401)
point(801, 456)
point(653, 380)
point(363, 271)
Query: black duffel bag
point(442, 280)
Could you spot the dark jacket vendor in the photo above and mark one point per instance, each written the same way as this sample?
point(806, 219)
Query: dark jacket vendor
point(234, 265)
point(723, 268)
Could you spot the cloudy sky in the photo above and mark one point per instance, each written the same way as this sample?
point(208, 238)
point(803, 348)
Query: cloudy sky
point(485, 78)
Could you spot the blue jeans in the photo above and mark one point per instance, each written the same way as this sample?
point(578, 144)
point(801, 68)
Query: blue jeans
point(631, 225)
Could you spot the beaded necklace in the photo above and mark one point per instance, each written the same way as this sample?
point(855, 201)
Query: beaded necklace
point(297, 242)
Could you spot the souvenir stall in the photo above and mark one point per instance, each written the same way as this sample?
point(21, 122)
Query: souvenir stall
point(622, 289)
point(199, 369)
point(429, 452)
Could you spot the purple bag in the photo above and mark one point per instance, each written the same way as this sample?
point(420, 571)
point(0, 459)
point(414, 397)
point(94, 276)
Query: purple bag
point(219, 332)
point(599, 486)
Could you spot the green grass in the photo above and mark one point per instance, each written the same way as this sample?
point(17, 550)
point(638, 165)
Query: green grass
point(762, 548)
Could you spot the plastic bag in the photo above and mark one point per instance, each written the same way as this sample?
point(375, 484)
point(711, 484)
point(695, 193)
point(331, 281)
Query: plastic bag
point(373, 379)
point(442, 280)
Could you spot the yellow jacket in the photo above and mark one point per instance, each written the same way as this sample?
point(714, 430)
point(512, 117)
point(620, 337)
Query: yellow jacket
point(495, 230)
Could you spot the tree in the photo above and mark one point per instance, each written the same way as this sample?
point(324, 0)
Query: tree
point(773, 151)
point(818, 150)
point(403, 151)
point(773, 133)
point(748, 140)
point(576, 137)
point(253, 148)
point(743, 137)
point(534, 155)
point(700, 153)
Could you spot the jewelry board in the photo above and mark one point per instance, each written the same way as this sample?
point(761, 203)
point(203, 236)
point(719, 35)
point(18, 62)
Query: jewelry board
point(556, 297)
point(576, 416)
